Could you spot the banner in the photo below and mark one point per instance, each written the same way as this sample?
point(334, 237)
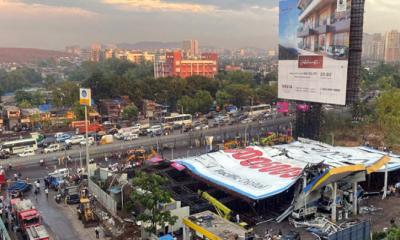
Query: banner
point(314, 38)
point(253, 172)
point(85, 96)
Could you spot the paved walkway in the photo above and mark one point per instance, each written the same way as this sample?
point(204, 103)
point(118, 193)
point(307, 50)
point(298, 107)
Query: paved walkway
point(62, 219)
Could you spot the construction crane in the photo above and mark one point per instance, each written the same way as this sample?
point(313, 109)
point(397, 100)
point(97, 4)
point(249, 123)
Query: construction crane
point(221, 209)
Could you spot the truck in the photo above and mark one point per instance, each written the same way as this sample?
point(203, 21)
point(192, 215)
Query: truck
point(93, 127)
point(28, 218)
point(37, 232)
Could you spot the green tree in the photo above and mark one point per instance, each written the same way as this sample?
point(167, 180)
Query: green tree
point(202, 101)
point(267, 93)
point(241, 93)
point(223, 98)
point(130, 113)
point(21, 96)
point(65, 94)
point(151, 194)
point(25, 104)
point(388, 113)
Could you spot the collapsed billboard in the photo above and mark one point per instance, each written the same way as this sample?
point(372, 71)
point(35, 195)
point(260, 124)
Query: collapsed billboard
point(253, 172)
point(314, 39)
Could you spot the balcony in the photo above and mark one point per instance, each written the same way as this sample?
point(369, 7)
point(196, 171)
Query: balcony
point(312, 7)
point(305, 32)
point(325, 29)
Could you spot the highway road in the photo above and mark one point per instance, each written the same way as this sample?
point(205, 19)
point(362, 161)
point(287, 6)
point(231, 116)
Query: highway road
point(177, 140)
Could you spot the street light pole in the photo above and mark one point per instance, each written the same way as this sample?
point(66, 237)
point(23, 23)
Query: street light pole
point(87, 140)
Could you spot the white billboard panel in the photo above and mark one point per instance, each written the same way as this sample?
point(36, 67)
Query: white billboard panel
point(314, 38)
point(253, 172)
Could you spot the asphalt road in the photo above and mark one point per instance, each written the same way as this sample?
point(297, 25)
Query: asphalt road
point(177, 139)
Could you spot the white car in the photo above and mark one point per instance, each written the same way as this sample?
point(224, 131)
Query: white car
point(131, 137)
point(75, 140)
point(59, 134)
point(90, 140)
point(27, 152)
point(52, 148)
point(154, 129)
point(247, 120)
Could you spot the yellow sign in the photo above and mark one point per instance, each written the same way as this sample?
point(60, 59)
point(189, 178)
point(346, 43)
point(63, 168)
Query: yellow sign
point(85, 96)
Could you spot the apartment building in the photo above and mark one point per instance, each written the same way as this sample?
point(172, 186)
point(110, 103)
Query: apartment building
point(392, 46)
point(325, 27)
point(175, 65)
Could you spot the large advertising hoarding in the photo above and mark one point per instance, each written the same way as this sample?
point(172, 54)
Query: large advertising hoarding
point(314, 38)
point(254, 172)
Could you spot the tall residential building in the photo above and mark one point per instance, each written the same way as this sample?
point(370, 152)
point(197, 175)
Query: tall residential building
point(76, 50)
point(392, 46)
point(190, 48)
point(95, 52)
point(373, 47)
point(175, 65)
point(108, 53)
point(85, 54)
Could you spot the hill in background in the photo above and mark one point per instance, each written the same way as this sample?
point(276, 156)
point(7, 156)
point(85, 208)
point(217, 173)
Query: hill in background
point(26, 55)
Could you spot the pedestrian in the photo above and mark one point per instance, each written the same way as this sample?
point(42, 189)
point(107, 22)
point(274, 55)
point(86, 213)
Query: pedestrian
point(97, 231)
point(38, 185)
point(36, 193)
point(46, 190)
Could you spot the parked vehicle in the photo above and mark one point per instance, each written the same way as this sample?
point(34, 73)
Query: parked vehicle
point(106, 139)
point(75, 140)
point(47, 141)
point(93, 127)
point(18, 146)
point(131, 136)
point(27, 152)
point(153, 129)
point(28, 220)
point(90, 140)
point(63, 137)
point(52, 148)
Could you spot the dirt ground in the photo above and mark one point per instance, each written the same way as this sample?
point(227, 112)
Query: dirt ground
point(380, 219)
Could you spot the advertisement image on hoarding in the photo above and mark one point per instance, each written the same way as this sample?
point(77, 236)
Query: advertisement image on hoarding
point(314, 38)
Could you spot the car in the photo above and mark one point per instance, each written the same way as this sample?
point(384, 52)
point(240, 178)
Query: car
point(52, 148)
point(47, 142)
point(63, 137)
point(201, 127)
point(4, 155)
point(131, 137)
point(27, 152)
point(75, 140)
point(73, 198)
point(246, 120)
point(154, 128)
point(90, 140)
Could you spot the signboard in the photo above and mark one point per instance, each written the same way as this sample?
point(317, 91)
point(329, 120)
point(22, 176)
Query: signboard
point(313, 152)
point(85, 96)
point(314, 38)
point(253, 172)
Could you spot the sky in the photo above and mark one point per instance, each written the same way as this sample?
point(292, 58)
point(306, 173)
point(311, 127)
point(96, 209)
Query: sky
point(53, 24)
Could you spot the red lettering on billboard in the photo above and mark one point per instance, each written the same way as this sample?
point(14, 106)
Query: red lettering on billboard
point(312, 61)
point(251, 158)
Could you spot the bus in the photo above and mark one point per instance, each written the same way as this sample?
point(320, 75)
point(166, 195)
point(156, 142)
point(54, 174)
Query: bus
point(257, 110)
point(178, 119)
point(19, 146)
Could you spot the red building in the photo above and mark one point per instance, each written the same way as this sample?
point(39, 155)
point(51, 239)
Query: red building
point(174, 65)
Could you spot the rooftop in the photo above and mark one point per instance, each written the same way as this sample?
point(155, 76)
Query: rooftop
point(215, 226)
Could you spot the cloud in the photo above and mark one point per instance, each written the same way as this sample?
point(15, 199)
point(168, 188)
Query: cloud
point(16, 8)
point(159, 5)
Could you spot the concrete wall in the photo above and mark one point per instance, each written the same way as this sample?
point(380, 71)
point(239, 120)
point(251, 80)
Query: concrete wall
point(104, 198)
